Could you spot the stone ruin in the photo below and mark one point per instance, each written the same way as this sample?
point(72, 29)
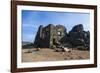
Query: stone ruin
point(55, 36)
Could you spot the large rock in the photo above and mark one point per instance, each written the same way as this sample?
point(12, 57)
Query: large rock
point(49, 35)
point(79, 37)
point(57, 36)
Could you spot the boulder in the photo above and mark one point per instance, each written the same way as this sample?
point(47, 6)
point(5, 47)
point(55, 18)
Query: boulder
point(78, 37)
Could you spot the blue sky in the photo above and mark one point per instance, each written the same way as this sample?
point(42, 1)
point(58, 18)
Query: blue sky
point(31, 20)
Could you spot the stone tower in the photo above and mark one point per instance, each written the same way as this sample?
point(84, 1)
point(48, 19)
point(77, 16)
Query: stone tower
point(46, 35)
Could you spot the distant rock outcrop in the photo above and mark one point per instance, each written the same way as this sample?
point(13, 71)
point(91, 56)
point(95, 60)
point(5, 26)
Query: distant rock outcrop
point(55, 36)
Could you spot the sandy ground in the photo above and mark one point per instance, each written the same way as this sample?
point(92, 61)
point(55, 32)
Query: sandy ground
point(46, 54)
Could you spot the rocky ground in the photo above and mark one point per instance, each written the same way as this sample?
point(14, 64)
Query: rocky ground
point(46, 54)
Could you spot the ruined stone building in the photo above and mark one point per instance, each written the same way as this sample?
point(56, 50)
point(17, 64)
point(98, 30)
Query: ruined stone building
point(77, 37)
point(47, 35)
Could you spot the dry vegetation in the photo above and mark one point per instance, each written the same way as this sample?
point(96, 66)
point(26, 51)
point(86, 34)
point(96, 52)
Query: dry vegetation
point(46, 54)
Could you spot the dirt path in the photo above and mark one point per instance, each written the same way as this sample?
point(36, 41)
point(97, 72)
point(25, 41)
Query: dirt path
point(31, 55)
